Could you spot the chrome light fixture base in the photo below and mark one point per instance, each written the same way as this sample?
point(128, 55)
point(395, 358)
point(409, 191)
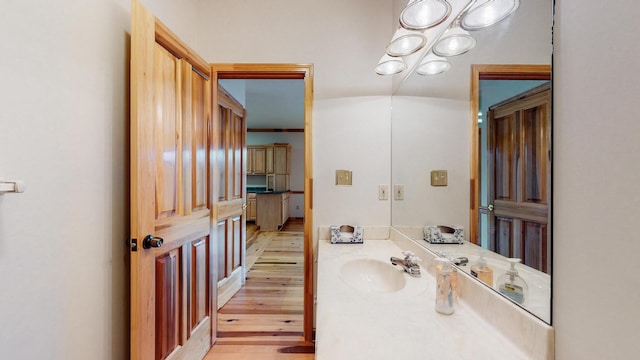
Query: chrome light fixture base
point(489, 13)
point(455, 41)
point(433, 65)
point(424, 14)
point(406, 43)
point(389, 65)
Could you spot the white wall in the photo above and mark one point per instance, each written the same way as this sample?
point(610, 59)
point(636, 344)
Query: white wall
point(430, 134)
point(351, 134)
point(596, 287)
point(64, 132)
point(342, 39)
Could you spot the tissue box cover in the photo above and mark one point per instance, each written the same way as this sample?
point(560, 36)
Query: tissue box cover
point(346, 234)
point(442, 234)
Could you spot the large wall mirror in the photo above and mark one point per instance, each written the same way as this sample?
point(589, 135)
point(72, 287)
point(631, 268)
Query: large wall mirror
point(486, 122)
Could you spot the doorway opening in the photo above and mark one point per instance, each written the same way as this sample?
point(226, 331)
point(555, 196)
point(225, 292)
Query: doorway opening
point(302, 202)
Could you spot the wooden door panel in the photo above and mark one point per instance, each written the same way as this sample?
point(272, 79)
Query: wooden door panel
point(504, 158)
point(504, 236)
point(230, 209)
point(200, 281)
point(200, 144)
point(171, 292)
point(535, 155)
point(167, 303)
point(165, 131)
point(238, 158)
point(534, 245)
point(236, 242)
point(221, 232)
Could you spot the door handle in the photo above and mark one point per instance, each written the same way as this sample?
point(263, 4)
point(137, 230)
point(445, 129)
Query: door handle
point(490, 207)
point(244, 206)
point(151, 241)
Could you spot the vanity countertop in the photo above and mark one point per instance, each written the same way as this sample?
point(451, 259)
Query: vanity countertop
point(352, 324)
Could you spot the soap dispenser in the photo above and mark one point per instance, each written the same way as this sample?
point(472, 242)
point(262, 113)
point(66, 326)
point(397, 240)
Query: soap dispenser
point(512, 285)
point(444, 287)
point(454, 274)
point(483, 271)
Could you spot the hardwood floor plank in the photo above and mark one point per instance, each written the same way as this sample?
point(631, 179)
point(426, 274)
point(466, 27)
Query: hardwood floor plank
point(264, 319)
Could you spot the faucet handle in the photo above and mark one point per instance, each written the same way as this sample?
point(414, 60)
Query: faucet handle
point(410, 256)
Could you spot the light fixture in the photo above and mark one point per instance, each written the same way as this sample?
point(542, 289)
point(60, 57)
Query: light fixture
point(389, 65)
point(424, 14)
point(406, 42)
point(432, 65)
point(489, 13)
point(422, 32)
point(455, 41)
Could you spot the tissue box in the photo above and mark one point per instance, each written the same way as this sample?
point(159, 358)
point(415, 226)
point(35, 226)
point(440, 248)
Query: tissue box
point(346, 234)
point(442, 234)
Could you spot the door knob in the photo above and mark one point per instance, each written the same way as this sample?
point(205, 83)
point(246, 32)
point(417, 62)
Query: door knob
point(151, 241)
point(490, 207)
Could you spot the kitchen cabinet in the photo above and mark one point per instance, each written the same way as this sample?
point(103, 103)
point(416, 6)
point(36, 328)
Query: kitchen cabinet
point(272, 210)
point(252, 208)
point(256, 160)
point(278, 166)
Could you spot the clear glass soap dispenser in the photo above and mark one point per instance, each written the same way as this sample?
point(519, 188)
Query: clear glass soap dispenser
point(483, 271)
point(444, 287)
point(512, 285)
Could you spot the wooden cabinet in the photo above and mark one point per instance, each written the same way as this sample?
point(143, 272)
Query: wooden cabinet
point(284, 210)
point(256, 160)
point(272, 210)
point(252, 208)
point(278, 166)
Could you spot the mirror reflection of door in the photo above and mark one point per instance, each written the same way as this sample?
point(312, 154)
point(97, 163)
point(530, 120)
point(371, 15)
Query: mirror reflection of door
point(516, 179)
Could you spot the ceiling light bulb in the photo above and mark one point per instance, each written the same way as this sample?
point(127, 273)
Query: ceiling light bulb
point(405, 43)
point(454, 42)
point(489, 13)
point(389, 65)
point(424, 14)
point(432, 65)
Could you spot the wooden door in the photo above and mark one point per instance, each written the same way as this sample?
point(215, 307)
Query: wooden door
point(172, 300)
point(519, 176)
point(231, 207)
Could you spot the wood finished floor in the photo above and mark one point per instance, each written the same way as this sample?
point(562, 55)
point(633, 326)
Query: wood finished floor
point(264, 319)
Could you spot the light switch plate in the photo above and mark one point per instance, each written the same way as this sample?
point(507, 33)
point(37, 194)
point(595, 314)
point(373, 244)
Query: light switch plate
point(383, 192)
point(398, 192)
point(343, 177)
point(439, 178)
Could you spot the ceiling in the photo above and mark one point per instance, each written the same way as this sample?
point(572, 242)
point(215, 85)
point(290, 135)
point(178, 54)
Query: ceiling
point(523, 38)
point(270, 104)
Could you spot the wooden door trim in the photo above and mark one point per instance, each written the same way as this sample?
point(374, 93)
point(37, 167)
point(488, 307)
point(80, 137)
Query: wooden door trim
point(286, 71)
point(491, 72)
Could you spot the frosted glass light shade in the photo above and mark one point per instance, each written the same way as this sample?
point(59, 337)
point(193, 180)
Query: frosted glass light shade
point(489, 13)
point(454, 42)
point(424, 14)
point(432, 65)
point(389, 65)
point(405, 43)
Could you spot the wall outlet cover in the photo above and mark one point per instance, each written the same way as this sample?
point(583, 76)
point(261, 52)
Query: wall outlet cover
point(439, 178)
point(344, 177)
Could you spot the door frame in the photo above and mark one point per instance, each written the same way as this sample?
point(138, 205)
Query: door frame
point(286, 71)
point(491, 72)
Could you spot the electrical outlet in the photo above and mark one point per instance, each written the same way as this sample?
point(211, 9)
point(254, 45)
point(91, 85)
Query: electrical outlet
point(343, 177)
point(439, 178)
point(398, 192)
point(383, 192)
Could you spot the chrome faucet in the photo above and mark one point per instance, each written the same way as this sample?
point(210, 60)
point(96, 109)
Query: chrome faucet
point(409, 263)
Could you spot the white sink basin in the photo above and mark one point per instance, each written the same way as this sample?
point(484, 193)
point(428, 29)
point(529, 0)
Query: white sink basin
point(371, 275)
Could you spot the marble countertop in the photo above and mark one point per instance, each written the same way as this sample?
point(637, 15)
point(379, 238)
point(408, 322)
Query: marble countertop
point(539, 299)
point(353, 324)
